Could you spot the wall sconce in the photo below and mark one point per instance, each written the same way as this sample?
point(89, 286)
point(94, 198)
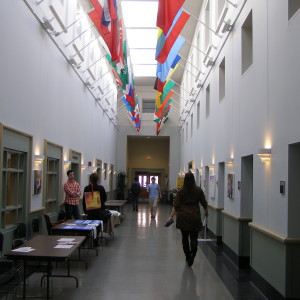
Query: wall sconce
point(95, 169)
point(83, 167)
point(229, 162)
point(264, 155)
point(67, 163)
point(193, 171)
point(38, 159)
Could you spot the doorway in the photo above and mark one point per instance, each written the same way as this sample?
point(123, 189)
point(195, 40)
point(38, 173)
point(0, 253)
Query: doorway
point(246, 186)
point(144, 179)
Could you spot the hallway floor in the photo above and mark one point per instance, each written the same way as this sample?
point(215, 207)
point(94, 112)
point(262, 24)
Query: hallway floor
point(145, 261)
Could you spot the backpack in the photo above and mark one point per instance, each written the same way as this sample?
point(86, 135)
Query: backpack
point(135, 188)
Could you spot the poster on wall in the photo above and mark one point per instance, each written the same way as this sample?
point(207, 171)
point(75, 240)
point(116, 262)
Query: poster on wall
point(230, 187)
point(212, 185)
point(37, 185)
point(179, 182)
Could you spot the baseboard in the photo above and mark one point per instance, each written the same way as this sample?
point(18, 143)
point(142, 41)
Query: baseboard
point(242, 262)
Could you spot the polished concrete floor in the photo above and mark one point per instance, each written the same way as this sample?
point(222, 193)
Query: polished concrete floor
point(145, 261)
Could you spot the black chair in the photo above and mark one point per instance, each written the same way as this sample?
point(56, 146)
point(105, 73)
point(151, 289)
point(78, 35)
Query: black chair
point(20, 235)
point(50, 224)
point(35, 226)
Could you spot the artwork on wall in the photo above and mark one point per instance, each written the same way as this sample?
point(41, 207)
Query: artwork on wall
point(230, 185)
point(212, 185)
point(37, 185)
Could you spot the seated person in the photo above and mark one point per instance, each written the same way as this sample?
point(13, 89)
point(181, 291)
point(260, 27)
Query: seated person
point(93, 201)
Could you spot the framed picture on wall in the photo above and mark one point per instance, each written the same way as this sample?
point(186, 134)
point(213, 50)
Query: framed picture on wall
point(212, 185)
point(230, 185)
point(37, 184)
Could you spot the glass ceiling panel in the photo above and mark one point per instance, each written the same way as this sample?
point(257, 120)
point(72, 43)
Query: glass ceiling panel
point(139, 13)
point(144, 70)
point(142, 38)
point(143, 56)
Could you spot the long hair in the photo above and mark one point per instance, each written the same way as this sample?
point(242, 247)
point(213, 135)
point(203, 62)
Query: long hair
point(94, 178)
point(189, 184)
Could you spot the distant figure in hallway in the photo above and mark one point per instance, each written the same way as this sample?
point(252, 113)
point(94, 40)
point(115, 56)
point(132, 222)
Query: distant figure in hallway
point(73, 192)
point(93, 201)
point(154, 195)
point(188, 215)
point(135, 191)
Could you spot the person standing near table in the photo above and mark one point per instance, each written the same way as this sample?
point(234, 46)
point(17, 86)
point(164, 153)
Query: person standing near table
point(94, 198)
point(154, 194)
point(73, 192)
point(188, 215)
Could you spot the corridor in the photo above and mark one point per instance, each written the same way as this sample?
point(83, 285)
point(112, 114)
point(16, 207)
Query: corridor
point(145, 262)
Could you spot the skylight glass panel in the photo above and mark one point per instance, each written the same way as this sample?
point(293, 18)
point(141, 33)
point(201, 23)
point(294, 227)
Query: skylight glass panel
point(143, 56)
point(142, 38)
point(144, 70)
point(139, 13)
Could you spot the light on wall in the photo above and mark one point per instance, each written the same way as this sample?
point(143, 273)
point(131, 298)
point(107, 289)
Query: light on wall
point(193, 171)
point(38, 159)
point(229, 162)
point(83, 167)
point(264, 155)
point(67, 163)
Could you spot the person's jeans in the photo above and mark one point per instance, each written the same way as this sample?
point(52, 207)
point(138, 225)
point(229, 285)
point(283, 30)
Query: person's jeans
point(135, 202)
point(72, 210)
point(189, 242)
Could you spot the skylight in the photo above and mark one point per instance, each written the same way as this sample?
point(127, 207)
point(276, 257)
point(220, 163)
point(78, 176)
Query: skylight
point(141, 31)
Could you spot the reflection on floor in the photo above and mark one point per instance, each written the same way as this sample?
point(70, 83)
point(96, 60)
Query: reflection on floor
point(145, 261)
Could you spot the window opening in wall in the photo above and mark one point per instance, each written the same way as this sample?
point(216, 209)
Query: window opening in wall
point(148, 105)
point(207, 101)
point(13, 187)
point(52, 184)
point(198, 115)
point(222, 80)
point(192, 122)
point(247, 43)
point(293, 7)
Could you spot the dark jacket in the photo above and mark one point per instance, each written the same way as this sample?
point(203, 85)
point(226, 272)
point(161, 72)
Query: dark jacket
point(188, 216)
point(95, 214)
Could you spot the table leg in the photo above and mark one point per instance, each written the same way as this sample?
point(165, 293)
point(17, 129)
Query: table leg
point(24, 280)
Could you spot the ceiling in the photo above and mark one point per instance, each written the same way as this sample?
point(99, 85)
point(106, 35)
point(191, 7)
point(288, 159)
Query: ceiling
point(140, 17)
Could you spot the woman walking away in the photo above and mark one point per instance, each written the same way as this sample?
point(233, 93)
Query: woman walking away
point(188, 216)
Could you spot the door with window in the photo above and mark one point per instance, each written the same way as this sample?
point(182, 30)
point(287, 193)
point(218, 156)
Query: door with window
point(144, 179)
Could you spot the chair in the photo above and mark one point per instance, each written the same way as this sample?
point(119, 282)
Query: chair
point(35, 226)
point(50, 224)
point(20, 235)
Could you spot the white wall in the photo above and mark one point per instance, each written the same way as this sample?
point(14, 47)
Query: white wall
point(41, 95)
point(260, 107)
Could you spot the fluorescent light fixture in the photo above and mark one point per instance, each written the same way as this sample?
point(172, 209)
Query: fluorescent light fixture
point(58, 19)
point(264, 155)
point(78, 52)
point(221, 20)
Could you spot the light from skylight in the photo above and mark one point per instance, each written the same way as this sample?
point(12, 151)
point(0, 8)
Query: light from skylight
point(143, 56)
point(142, 38)
point(144, 70)
point(139, 13)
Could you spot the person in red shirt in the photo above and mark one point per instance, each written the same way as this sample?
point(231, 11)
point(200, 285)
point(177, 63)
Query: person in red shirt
point(73, 192)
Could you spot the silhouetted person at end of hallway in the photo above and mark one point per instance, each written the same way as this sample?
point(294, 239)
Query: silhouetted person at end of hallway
point(135, 191)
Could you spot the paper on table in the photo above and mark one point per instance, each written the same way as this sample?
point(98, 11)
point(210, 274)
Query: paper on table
point(66, 240)
point(23, 249)
point(63, 246)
